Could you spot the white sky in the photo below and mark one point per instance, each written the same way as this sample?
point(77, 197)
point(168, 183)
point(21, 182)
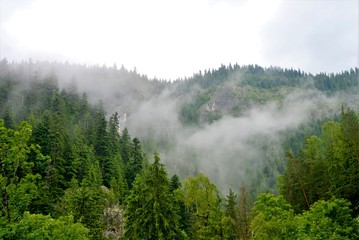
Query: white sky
point(170, 39)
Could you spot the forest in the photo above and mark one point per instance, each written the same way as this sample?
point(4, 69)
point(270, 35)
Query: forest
point(96, 152)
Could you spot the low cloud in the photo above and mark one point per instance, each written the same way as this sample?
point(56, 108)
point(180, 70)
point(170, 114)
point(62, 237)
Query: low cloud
point(233, 149)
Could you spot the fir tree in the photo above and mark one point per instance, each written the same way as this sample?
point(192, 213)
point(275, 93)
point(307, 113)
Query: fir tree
point(230, 220)
point(151, 212)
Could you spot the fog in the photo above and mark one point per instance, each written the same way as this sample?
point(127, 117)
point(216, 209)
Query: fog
point(231, 150)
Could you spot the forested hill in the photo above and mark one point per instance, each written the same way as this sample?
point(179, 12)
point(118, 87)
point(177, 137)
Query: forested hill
point(235, 89)
point(76, 147)
point(274, 77)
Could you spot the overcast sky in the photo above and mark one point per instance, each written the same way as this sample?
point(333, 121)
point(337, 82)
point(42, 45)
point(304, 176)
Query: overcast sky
point(171, 39)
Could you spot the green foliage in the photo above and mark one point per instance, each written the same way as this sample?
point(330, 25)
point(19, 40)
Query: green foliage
point(202, 201)
point(41, 227)
point(91, 168)
point(230, 220)
point(17, 183)
point(136, 162)
point(151, 210)
point(244, 220)
point(330, 219)
point(184, 215)
point(346, 80)
point(350, 177)
point(189, 112)
point(86, 204)
point(273, 218)
point(325, 167)
point(102, 145)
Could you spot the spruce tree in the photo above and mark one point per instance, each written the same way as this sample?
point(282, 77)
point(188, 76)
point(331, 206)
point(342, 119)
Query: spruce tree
point(151, 212)
point(184, 215)
point(350, 177)
point(230, 220)
point(135, 163)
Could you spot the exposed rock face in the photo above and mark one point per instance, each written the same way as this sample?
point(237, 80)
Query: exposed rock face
point(114, 220)
point(222, 103)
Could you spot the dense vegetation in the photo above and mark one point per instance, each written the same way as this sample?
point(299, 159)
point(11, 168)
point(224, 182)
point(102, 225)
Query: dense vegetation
point(69, 170)
point(241, 87)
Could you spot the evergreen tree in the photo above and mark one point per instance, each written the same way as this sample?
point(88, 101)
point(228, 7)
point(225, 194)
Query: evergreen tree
point(9, 118)
point(350, 177)
point(117, 168)
point(102, 145)
point(151, 211)
point(113, 133)
point(125, 145)
point(184, 215)
point(135, 163)
point(86, 202)
point(325, 167)
point(230, 220)
point(231, 205)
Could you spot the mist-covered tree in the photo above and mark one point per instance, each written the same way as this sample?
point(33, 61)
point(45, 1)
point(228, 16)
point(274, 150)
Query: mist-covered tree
point(125, 144)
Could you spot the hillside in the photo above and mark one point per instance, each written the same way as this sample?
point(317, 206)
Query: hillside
point(229, 122)
point(76, 147)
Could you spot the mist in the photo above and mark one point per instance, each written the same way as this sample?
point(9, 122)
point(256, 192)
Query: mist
point(231, 150)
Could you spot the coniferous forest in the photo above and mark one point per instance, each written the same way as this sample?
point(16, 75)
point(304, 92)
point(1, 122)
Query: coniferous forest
point(238, 152)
